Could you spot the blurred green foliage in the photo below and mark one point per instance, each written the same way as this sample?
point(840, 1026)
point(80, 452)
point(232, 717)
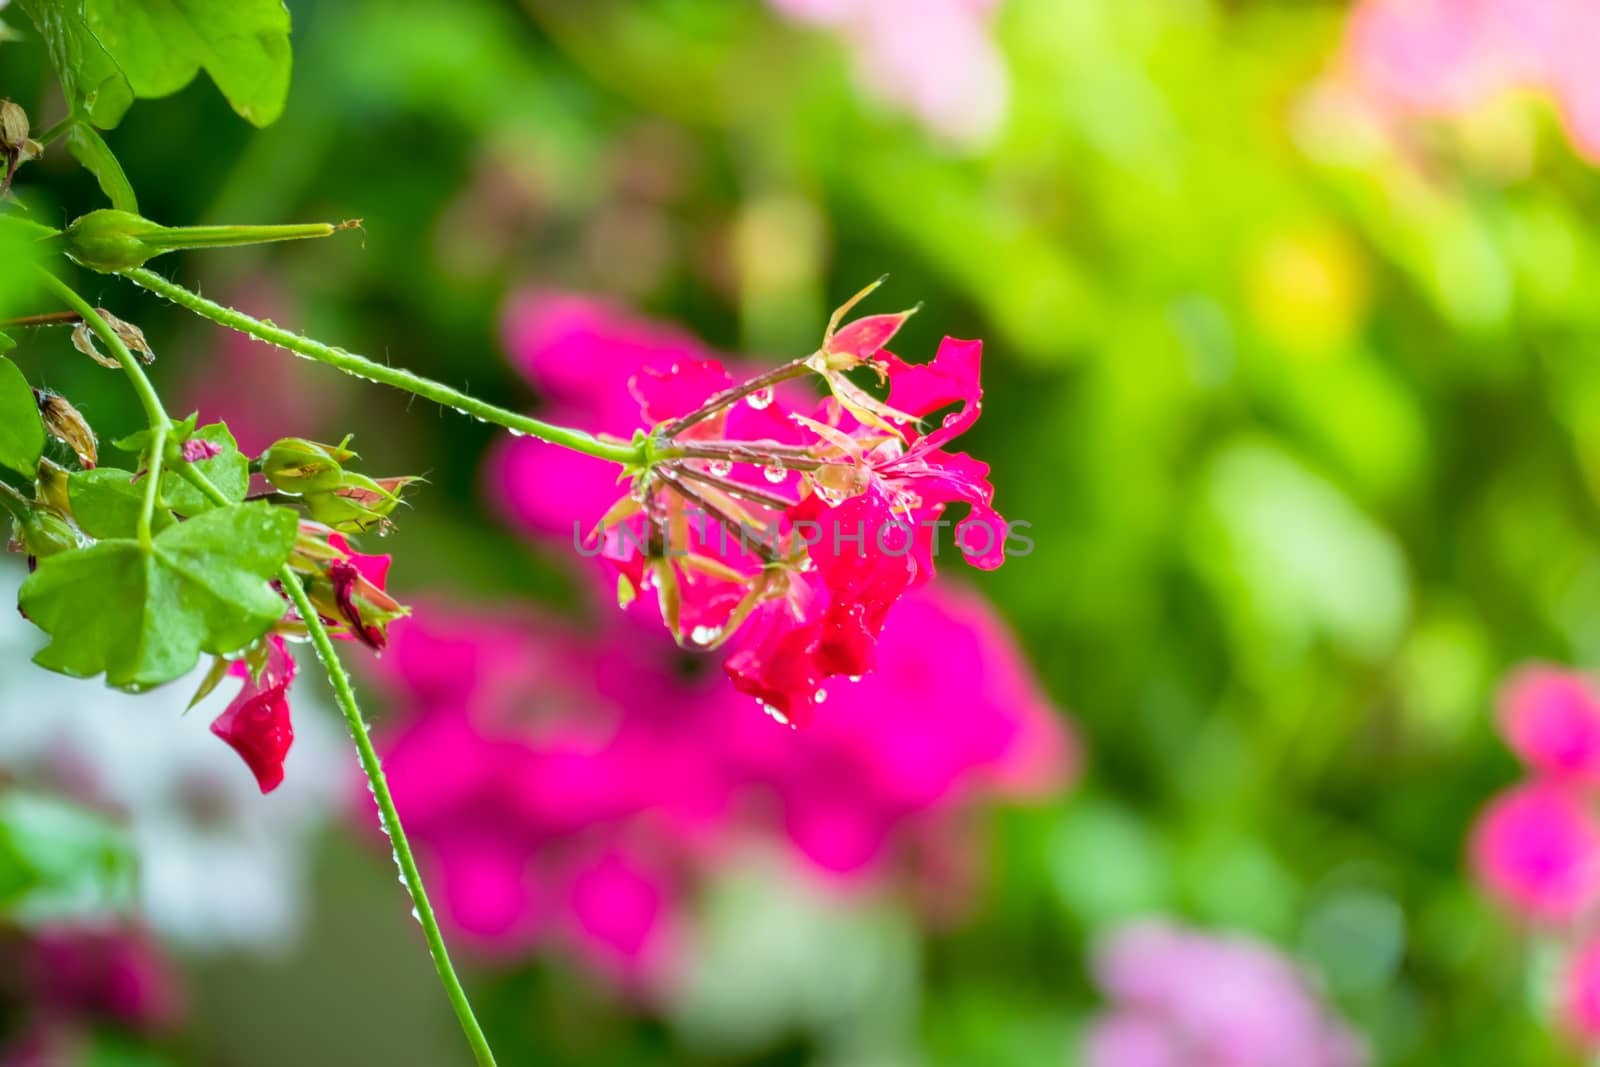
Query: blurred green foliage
point(1307, 426)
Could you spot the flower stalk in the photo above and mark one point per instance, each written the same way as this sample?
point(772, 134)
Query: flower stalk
point(372, 371)
point(344, 694)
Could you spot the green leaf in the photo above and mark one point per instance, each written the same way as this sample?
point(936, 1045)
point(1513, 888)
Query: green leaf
point(229, 471)
point(58, 860)
point(143, 615)
point(106, 503)
point(162, 44)
point(6, 343)
point(21, 429)
point(94, 83)
point(90, 149)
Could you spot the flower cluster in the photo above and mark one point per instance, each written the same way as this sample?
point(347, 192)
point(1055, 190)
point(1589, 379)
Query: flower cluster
point(1536, 846)
point(795, 524)
point(1184, 998)
point(569, 786)
point(1444, 57)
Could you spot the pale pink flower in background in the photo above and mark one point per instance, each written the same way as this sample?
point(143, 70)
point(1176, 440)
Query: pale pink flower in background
point(1537, 847)
point(1441, 58)
point(933, 58)
point(1187, 998)
point(1551, 719)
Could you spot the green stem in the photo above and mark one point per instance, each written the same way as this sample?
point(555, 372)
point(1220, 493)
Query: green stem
point(362, 367)
point(346, 698)
point(153, 409)
point(159, 422)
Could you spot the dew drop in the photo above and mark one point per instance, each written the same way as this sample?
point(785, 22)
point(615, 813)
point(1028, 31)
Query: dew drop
point(721, 468)
point(855, 677)
point(820, 695)
point(777, 715)
point(704, 635)
point(513, 431)
point(760, 399)
point(775, 473)
point(808, 564)
point(417, 915)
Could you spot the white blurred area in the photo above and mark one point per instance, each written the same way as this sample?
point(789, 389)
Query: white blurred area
point(220, 866)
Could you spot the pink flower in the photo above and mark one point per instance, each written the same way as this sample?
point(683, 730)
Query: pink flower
point(1183, 997)
point(1579, 1007)
point(850, 498)
point(570, 787)
point(116, 973)
point(1537, 847)
point(933, 58)
point(195, 450)
point(1551, 720)
point(1445, 57)
point(256, 723)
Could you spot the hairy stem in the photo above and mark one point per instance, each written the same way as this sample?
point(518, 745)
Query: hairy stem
point(735, 393)
point(153, 409)
point(345, 696)
point(343, 693)
point(361, 367)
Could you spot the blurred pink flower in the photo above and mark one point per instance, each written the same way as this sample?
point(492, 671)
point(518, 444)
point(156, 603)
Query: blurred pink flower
point(1444, 57)
point(567, 788)
point(1537, 847)
point(78, 978)
point(1551, 719)
point(1579, 1006)
point(1183, 998)
point(261, 392)
point(932, 58)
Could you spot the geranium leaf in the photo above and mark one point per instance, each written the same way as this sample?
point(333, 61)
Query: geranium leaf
point(21, 430)
point(106, 503)
point(143, 615)
point(162, 44)
point(94, 83)
point(228, 470)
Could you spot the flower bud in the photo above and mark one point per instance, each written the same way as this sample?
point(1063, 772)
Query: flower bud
point(13, 126)
point(358, 504)
point(45, 531)
point(295, 465)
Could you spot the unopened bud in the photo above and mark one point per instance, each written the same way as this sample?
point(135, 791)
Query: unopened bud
point(67, 424)
point(295, 465)
point(13, 126)
point(45, 531)
point(111, 241)
point(358, 504)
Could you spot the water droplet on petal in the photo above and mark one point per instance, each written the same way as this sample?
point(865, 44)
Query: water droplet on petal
point(820, 695)
point(721, 468)
point(760, 399)
point(704, 635)
point(855, 677)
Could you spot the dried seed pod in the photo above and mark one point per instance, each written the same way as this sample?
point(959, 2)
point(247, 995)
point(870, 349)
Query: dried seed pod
point(66, 423)
point(131, 335)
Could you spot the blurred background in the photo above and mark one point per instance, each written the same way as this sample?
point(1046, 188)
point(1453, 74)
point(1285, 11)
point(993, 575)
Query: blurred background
point(1290, 326)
